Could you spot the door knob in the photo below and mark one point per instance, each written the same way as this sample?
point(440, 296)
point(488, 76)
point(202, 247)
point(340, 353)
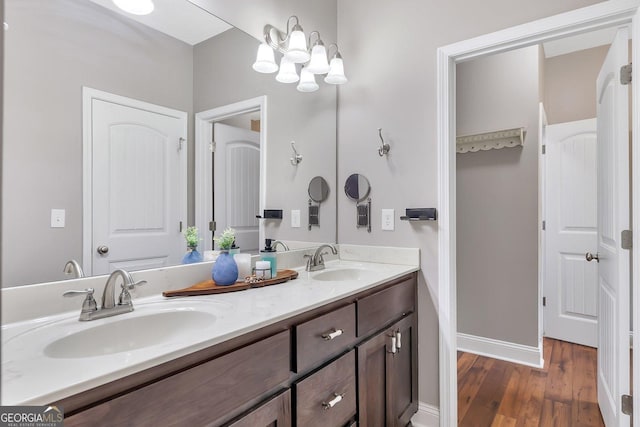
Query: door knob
point(590, 257)
point(102, 250)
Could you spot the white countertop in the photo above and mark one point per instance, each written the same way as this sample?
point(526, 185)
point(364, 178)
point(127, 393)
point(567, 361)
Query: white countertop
point(30, 377)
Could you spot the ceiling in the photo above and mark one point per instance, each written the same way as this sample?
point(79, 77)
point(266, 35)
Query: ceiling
point(579, 42)
point(177, 18)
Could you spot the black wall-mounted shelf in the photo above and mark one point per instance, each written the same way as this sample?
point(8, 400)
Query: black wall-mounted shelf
point(271, 214)
point(420, 214)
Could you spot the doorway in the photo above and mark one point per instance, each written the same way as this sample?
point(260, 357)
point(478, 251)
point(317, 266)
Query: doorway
point(574, 22)
point(209, 206)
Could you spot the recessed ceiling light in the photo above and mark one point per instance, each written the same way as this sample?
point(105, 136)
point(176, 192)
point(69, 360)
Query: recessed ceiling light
point(135, 7)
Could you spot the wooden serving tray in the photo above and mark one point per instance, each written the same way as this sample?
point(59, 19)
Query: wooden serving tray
point(209, 287)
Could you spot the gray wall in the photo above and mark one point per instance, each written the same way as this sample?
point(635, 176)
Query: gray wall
point(390, 59)
point(307, 118)
point(570, 89)
point(497, 199)
point(84, 45)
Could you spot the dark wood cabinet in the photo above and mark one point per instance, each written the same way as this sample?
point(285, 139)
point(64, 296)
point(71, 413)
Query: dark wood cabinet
point(327, 398)
point(387, 376)
point(276, 412)
point(349, 362)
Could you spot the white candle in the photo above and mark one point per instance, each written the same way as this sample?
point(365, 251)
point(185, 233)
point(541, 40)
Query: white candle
point(263, 269)
point(244, 265)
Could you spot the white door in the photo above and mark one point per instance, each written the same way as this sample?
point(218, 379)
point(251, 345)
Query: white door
point(138, 187)
point(571, 283)
point(236, 183)
point(613, 218)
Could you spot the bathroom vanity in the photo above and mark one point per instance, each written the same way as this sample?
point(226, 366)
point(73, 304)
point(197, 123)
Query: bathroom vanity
point(334, 347)
point(315, 368)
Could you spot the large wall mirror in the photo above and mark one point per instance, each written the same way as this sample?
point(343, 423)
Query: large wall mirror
point(192, 63)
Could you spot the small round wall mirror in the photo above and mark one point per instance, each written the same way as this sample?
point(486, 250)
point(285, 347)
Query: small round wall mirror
point(357, 187)
point(318, 189)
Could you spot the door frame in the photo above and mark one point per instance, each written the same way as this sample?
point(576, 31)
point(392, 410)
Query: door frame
point(600, 15)
point(88, 95)
point(204, 163)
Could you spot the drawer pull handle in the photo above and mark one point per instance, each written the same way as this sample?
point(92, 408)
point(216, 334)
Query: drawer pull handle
point(333, 402)
point(394, 345)
point(334, 333)
point(398, 340)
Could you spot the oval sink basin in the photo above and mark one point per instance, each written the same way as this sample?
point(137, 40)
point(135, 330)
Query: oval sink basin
point(342, 274)
point(127, 334)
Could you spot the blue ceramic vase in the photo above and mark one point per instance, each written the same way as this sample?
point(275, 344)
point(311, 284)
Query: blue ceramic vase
point(225, 269)
point(192, 256)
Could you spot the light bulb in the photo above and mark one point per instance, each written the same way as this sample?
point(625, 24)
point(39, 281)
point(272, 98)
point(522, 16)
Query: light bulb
point(336, 73)
point(265, 60)
point(135, 7)
point(318, 63)
point(297, 49)
point(287, 73)
point(307, 81)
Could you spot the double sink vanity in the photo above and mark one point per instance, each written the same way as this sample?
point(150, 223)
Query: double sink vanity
point(333, 347)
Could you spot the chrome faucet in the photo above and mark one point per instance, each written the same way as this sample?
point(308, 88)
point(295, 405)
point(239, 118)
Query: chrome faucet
point(315, 262)
point(73, 268)
point(108, 307)
point(278, 242)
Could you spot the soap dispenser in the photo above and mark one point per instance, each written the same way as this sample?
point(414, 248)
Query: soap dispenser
point(269, 254)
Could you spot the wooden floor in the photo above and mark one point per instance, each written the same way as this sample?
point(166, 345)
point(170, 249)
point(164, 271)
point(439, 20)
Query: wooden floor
point(496, 393)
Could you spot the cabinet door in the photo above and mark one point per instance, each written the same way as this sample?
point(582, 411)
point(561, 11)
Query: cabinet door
point(403, 390)
point(388, 376)
point(275, 413)
point(373, 377)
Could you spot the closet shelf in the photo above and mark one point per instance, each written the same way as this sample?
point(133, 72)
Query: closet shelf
point(491, 140)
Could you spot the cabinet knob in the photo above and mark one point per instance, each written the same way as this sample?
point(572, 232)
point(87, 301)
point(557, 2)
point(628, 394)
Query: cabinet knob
point(333, 402)
point(333, 333)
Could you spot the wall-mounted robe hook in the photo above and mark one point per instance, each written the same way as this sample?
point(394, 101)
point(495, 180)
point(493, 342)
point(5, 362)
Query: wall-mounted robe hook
point(384, 147)
point(297, 158)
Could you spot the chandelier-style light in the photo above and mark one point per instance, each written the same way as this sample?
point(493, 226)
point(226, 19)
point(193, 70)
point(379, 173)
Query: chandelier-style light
point(294, 48)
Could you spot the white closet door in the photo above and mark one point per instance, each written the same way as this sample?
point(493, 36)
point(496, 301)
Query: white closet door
point(138, 187)
point(613, 217)
point(571, 283)
point(236, 184)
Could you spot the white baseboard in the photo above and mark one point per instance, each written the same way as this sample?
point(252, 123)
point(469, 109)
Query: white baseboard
point(427, 416)
point(510, 352)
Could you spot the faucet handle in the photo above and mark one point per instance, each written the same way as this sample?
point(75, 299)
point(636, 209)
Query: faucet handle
point(309, 260)
point(89, 304)
point(125, 296)
point(131, 286)
point(321, 257)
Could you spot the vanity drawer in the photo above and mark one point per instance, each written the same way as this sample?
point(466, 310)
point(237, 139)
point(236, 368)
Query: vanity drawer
point(325, 336)
point(382, 308)
point(315, 393)
point(205, 394)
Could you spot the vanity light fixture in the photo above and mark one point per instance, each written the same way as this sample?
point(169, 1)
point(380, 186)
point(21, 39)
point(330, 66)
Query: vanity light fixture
point(135, 7)
point(293, 47)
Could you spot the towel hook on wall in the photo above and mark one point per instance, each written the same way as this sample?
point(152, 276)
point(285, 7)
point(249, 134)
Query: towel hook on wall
point(297, 158)
point(384, 147)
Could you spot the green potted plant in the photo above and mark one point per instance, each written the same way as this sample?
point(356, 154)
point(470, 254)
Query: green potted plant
point(225, 269)
point(192, 239)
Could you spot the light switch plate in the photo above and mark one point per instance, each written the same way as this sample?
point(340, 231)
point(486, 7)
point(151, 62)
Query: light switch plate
point(388, 216)
point(57, 218)
point(295, 218)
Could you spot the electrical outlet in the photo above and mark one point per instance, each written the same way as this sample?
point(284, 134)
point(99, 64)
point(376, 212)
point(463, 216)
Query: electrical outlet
point(388, 219)
point(57, 218)
point(295, 218)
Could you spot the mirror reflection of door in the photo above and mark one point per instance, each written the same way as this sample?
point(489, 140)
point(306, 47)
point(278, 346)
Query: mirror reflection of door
point(138, 184)
point(236, 183)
